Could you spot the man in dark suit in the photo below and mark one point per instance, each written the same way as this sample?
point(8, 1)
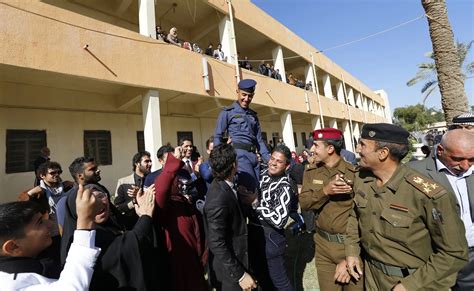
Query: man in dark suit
point(226, 225)
point(452, 165)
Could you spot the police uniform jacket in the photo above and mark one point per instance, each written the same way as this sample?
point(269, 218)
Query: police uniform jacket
point(242, 126)
point(410, 222)
point(333, 210)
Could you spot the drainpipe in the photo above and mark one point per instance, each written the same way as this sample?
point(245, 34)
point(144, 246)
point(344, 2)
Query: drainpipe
point(231, 16)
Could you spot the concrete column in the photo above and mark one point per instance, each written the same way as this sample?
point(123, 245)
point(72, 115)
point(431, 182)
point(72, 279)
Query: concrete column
point(309, 76)
point(365, 106)
point(316, 122)
point(332, 123)
point(279, 62)
point(287, 130)
point(358, 100)
point(146, 17)
point(340, 92)
point(327, 86)
point(386, 107)
point(346, 130)
point(152, 124)
point(225, 34)
point(350, 97)
point(356, 130)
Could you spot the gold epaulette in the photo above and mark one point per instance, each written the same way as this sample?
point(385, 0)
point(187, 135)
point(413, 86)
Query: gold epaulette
point(429, 187)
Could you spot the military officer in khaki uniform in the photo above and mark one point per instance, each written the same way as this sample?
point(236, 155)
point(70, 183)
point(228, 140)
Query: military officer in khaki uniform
point(327, 191)
point(406, 223)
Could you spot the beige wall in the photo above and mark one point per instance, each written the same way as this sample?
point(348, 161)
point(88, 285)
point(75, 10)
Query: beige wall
point(133, 59)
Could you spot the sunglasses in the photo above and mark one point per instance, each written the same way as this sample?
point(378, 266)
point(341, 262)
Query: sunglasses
point(57, 172)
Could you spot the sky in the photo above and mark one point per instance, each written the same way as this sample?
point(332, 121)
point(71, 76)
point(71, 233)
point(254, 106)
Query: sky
point(386, 61)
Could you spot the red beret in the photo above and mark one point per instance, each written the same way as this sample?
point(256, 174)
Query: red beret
point(327, 133)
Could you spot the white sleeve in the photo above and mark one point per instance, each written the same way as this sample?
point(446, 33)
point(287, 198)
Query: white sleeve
point(79, 267)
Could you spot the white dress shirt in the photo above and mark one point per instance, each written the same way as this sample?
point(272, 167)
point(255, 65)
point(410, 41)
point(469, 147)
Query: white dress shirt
point(76, 275)
point(459, 185)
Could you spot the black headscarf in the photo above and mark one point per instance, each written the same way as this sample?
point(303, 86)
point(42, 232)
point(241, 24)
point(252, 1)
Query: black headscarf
point(127, 260)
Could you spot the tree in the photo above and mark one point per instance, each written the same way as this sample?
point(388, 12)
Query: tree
point(427, 70)
point(416, 117)
point(450, 80)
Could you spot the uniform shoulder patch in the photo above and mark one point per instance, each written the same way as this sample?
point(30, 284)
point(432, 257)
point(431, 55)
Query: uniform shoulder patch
point(309, 167)
point(429, 187)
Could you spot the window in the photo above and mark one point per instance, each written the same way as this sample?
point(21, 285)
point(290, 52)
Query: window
point(140, 141)
point(303, 138)
point(23, 147)
point(184, 134)
point(295, 139)
point(97, 144)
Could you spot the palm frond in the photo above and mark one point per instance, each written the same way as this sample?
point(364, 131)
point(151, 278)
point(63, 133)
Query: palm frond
point(428, 93)
point(420, 76)
point(429, 84)
point(427, 66)
point(470, 68)
point(463, 50)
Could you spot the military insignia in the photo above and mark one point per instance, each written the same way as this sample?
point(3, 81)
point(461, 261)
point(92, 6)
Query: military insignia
point(320, 135)
point(418, 180)
point(237, 116)
point(318, 182)
point(425, 185)
point(371, 133)
point(398, 207)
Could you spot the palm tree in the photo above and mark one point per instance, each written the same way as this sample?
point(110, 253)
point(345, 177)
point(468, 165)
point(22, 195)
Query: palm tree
point(427, 70)
point(447, 61)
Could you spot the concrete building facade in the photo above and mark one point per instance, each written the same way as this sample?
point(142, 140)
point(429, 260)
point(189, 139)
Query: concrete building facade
point(90, 77)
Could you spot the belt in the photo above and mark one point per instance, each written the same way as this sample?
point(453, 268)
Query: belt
point(243, 146)
point(390, 270)
point(339, 238)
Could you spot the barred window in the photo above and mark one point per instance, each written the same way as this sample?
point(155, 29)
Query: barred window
point(98, 144)
point(23, 147)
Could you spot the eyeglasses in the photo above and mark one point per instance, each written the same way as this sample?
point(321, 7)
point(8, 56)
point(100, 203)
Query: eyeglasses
point(58, 172)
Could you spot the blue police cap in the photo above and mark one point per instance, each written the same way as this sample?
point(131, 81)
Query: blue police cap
point(247, 85)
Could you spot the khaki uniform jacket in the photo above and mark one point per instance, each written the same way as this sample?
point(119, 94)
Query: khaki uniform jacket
point(333, 210)
point(410, 222)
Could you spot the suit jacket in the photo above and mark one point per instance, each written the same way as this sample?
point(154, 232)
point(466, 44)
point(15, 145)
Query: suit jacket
point(428, 167)
point(226, 230)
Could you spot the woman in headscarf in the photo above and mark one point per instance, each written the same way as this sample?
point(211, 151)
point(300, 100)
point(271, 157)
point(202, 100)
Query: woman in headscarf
point(126, 261)
point(179, 220)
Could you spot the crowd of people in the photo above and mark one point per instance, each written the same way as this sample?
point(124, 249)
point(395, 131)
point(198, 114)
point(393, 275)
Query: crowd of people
point(263, 68)
point(378, 224)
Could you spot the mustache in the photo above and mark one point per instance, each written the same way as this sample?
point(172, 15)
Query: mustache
point(458, 168)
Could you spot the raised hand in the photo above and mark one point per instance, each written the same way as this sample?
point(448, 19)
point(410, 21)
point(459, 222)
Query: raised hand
point(87, 207)
point(337, 186)
point(145, 201)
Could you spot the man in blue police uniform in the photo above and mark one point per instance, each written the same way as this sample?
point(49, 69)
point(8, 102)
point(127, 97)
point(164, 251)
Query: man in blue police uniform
point(243, 129)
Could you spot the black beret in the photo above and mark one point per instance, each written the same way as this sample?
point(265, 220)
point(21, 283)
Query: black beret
point(385, 132)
